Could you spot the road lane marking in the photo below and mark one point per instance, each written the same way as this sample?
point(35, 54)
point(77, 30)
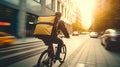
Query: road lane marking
point(80, 65)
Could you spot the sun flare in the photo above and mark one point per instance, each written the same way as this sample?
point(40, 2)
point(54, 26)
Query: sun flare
point(86, 10)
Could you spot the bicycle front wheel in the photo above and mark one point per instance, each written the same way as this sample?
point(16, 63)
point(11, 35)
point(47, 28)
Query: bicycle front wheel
point(63, 54)
point(44, 60)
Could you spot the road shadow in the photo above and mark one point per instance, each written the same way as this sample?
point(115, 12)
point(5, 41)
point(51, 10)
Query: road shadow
point(38, 66)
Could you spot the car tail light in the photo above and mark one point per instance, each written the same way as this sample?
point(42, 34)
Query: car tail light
point(112, 36)
point(2, 23)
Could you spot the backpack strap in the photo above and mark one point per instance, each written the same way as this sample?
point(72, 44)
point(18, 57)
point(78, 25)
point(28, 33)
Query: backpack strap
point(45, 23)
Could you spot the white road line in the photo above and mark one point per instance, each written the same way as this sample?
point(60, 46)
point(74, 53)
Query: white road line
point(80, 65)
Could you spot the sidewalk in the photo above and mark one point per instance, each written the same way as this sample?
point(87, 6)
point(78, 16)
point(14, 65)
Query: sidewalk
point(27, 40)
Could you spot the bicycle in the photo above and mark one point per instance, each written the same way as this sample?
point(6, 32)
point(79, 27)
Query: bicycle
point(47, 57)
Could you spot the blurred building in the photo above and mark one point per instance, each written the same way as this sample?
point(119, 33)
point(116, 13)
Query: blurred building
point(22, 14)
point(106, 15)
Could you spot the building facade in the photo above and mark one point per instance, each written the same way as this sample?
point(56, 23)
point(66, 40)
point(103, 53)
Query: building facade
point(22, 14)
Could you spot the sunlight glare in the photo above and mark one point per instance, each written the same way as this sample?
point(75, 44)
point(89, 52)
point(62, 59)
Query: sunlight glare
point(86, 9)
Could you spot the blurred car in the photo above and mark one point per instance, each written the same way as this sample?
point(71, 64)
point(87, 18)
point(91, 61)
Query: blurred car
point(6, 39)
point(84, 33)
point(75, 33)
point(93, 34)
point(111, 39)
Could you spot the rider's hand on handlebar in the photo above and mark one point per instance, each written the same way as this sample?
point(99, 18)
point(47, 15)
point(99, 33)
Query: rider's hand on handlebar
point(62, 36)
point(67, 36)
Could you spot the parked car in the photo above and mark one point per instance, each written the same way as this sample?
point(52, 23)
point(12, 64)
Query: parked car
point(6, 39)
point(93, 34)
point(111, 38)
point(75, 33)
point(84, 33)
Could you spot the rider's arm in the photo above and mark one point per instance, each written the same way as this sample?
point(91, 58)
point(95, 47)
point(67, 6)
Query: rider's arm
point(63, 29)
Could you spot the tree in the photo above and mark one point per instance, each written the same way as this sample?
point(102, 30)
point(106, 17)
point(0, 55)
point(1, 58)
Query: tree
point(76, 26)
point(108, 18)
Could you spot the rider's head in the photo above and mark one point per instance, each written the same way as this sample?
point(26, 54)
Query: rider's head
point(58, 15)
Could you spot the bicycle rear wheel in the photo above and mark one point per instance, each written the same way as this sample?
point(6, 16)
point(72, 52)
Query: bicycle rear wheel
point(63, 54)
point(44, 60)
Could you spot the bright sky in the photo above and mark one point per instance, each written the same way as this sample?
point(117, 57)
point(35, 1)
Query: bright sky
point(86, 7)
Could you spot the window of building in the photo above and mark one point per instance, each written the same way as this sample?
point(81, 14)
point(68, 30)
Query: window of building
point(62, 9)
point(30, 24)
point(65, 12)
point(52, 4)
point(58, 6)
point(8, 19)
point(49, 4)
point(34, 5)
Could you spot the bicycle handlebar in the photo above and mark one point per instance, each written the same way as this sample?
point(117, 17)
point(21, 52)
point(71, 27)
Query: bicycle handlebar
point(61, 36)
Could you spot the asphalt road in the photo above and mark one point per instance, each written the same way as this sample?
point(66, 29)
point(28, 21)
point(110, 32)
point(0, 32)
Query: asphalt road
point(82, 51)
point(93, 54)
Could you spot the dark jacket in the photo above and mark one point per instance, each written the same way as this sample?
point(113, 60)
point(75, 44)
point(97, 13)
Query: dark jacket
point(60, 26)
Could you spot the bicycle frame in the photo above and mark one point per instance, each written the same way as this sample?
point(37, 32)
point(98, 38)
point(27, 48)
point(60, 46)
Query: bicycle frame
point(47, 57)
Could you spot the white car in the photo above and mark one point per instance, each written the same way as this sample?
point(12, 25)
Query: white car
point(93, 34)
point(75, 33)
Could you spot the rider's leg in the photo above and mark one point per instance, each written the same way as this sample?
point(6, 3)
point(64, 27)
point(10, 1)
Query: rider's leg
point(50, 50)
point(50, 47)
point(60, 43)
point(47, 41)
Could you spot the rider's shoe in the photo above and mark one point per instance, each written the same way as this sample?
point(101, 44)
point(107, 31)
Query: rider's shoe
point(58, 58)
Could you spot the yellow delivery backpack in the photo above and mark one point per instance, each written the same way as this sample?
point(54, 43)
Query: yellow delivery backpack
point(44, 25)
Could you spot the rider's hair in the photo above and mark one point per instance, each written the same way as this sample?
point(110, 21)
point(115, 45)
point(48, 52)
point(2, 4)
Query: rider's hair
point(58, 14)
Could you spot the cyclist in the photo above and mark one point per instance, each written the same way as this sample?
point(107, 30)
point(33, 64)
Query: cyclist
point(49, 40)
